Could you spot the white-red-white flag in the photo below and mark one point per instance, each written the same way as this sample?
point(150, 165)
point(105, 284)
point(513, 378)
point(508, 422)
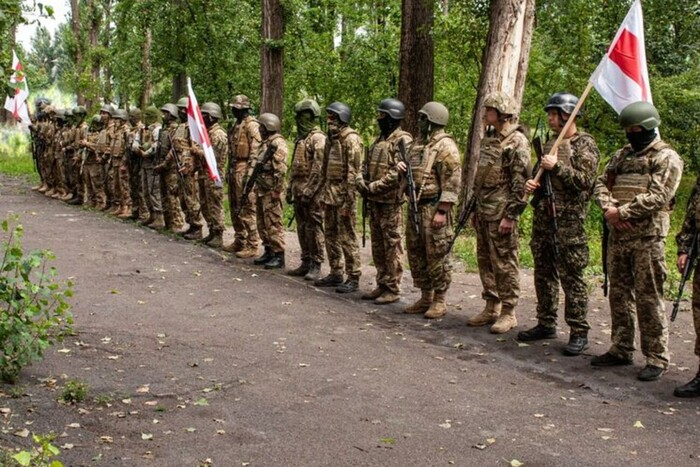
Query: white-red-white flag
point(622, 76)
point(199, 133)
point(17, 105)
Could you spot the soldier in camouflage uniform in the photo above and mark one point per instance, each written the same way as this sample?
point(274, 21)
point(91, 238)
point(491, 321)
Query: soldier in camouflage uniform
point(146, 147)
point(104, 148)
point(49, 133)
point(93, 173)
point(139, 207)
point(244, 140)
point(636, 193)
point(60, 190)
point(76, 163)
point(166, 168)
point(308, 157)
point(560, 256)
point(269, 186)
point(503, 168)
point(336, 186)
point(38, 130)
point(684, 242)
point(211, 195)
point(435, 160)
point(119, 165)
point(380, 182)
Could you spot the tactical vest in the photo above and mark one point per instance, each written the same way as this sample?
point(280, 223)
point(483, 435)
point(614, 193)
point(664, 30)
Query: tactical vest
point(337, 162)
point(119, 142)
point(268, 178)
point(241, 146)
point(633, 173)
point(102, 143)
point(383, 155)
point(489, 169)
point(426, 181)
point(90, 154)
point(301, 159)
point(563, 196)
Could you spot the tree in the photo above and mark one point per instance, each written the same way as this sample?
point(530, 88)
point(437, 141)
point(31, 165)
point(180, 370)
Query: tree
point(272, 58)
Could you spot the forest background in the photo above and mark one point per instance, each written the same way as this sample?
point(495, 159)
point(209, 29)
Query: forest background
point(137, 52)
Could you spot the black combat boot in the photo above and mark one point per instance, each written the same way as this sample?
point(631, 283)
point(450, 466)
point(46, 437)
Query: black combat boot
point(314, 272)
point(331, 280)
point(193, 233)
point(267, 256)
point(537, 333)
point(577, 344)
point(301, 271)
point(349, 286)
point(276, 261)
point(691, 389)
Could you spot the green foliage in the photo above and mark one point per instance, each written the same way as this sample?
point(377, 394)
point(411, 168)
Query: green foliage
point(41, 454)
point(35, 313)
point(15, 158)
point(74, 391)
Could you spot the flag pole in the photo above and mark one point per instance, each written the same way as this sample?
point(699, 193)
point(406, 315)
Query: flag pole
point(564, 130)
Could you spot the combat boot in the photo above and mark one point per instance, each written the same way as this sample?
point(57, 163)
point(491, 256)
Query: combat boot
point(194, 234)
point(43, 188)
point(75, 201)
point(422, 304)
point(314, 272)
point(505, 322)
point(179, 230)
point(247, 252)
point(331, 280)
point(437, 308)
point(233, 247)
point(489, 315)
point(66, 196)
point(267, 256)
point(49, 193)
point(208, 238)
point(537, 333)
point(691, 389)
point(114, 209)
point(158, 222)
point(349, 286)
point(386, 297)
point(124, 213)
point(373, 295)
point(302, 270)
point(149, 221)
point(217, 240)
point(276, 261)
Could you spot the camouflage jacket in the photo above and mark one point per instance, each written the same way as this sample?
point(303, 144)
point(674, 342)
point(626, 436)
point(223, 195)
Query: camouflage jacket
point(383, 178)
point(342, 164)
point(684, 239)
point(271, 178)
point(244, 141)
point(307, 159)
point(436, 168)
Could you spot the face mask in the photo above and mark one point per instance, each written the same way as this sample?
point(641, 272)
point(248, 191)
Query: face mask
point(305, 123)
point(240, 114)
point(424, 127)
point(333, 127)
point(387, 125)
point(641, 139)
point(208, 122)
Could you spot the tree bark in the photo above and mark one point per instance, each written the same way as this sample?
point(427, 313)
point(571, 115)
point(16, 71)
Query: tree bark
point(416, 59)
point(272, 58)
point(93, 37)
point(106, 40)
point(77, 34)
point(505, 62)
point(147, 88)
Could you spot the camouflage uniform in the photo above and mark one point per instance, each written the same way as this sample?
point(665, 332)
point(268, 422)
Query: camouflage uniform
point(118, 169)
point(572, 182)
point(150, 181)
point(244, 140)
point(270, 186)
point(642, 186)
point(80, 134)
point(684, 241)
point(169, 179)
point(503, 168)
point(436, 169)
point(210, 195)
point(98, 154)
point(384, 202)
point(138, 198)
point(189, 196)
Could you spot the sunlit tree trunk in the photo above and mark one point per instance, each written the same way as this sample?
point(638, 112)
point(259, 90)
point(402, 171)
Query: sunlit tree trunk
point(146, 68)
point(272, 58)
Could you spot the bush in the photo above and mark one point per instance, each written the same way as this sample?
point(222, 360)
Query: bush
point(35, 313)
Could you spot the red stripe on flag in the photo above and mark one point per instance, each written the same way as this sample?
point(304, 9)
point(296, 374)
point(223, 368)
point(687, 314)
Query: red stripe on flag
point(625, 54)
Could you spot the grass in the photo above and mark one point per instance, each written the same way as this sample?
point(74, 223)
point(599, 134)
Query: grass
point(15, 154)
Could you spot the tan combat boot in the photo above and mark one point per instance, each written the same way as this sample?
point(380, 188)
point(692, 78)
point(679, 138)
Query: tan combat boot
point(505, 322)
point(423, 303)
point(386, 297)
point(437, 308)
point(247, 252)
point(374, 294)
point(158, 222)
point(488, 316)
point(217, 240)
point(124, 212)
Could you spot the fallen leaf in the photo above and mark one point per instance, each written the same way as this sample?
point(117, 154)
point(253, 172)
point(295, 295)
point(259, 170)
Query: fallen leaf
point(490, 440)
point(479, 446)
point(106, 439)
point(445, 425)
point(303, 365)
point(73, 425)
point(523, 344)
point(606, 430)
point(63, 351)
point(146, 436)
point(113, 357)
point(143, 389)
point(220, 432)
point(190, 430)
point(638, 424)
point(388, 440)
point(23, 433)
point(538, 415)
point(516, 463)
point(67, 446)
point(201, 401)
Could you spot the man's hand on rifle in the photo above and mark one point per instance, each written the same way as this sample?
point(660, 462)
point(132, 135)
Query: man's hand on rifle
point(549, 161)
point(506, 226)
point(531, 186)
point(612, 216)
point(401, 165)
point(682, 259)
point(361, 186)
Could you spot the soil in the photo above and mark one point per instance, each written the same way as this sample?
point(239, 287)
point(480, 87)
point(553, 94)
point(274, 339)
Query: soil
point(193, 357)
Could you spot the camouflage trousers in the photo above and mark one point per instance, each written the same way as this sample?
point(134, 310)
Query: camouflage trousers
point(150, 183)
point(190, 201)
point(340, 226)
point(244, 224)
point(386, 233)
point(137, 190)
point(564, 268)
point(431, 266)
point(696, 306)
point(212, 203)
point(637, 272)
point(170, 196)
point(498, 258)
point(59, 174)
point(75, 184)
point(269, 222)
point(119, 182)
point(45, 168)
point(309, 218)
point(95, 185)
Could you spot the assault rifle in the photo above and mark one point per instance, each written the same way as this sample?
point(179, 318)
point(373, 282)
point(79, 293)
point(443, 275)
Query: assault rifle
point(36, 148)
point(411, 187)
point(250, 182)
point(547, 194)
point(365, 176)
point(610, 182)
point(468, 208)
point(178, 164)
point(687, 270)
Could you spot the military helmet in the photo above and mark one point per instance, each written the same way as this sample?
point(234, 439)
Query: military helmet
point(271, 122)
point(212, 109)
point(68, 113)
point(170, 109)
point(240, 102)
point(436, 112)
point(60, 114)
point(121, 114)
point(96, 119)
point(42, 101)
point(79, 110)
point(134, 112)
point(308, 104)
point(182, 103)
point(393, 108)
point(107, 108)
point(49, 109)
point(341, 110)
point(562, 101)
point(151, 113)
point(500, 101)
point(642, 114)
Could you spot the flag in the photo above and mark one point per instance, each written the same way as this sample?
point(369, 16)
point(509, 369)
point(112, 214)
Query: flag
point(17, 105)
point(199, 134)
point(622, 76)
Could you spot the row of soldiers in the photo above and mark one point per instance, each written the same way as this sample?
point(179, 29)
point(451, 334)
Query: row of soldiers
point(171, 187)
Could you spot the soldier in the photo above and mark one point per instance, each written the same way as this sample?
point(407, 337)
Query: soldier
point(92, 166)
point(503, 168)
point(59, 162)
point(561, 255)
point(380, 183)
point(147, 148)
point(76, 164)
point(211, 195)
point(139, 207)
point(244, 140)
point(436, 168)
point(102, 150)
point(308, 156)
point(166, 168)
point(38, 130)
point(269, 185)
point(336, 186)
point(636, 193)
point(119, 166)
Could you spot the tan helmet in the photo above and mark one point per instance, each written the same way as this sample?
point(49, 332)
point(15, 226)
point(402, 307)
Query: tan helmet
point(502, 102)
point(107, 109)
point(135, 112)
point(436, 112)
point(270, 121)
point(170, 109)
point(308, 104)
point(120, 114)
point(240, 102)
point(212, 109)
point(182, 103)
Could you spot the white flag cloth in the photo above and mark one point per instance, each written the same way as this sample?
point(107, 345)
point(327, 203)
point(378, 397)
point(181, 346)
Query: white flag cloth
point(622, 76)
point(199, 133)
point(17, 105)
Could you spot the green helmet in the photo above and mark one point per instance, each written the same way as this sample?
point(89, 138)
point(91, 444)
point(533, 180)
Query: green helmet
point(502, 102)
point(135, 112)
point(151, 114)
point(308, 104)
point(212, 109)
point(182, 103)
point(121, 114)
point(271, 122)
point(79, 110)
point(642, 114)
point(170, 109)
point(107, 108)
point(436, 112)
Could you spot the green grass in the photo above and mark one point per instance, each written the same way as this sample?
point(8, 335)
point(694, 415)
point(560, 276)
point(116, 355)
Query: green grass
point(15, 154)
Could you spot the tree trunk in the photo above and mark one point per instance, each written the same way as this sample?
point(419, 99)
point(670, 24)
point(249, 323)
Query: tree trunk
point(416, 61)
point(505, 62)
point(272, 58)
point(93, 37)
point(75, 27)
point(147, 88)
point(106, 40)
